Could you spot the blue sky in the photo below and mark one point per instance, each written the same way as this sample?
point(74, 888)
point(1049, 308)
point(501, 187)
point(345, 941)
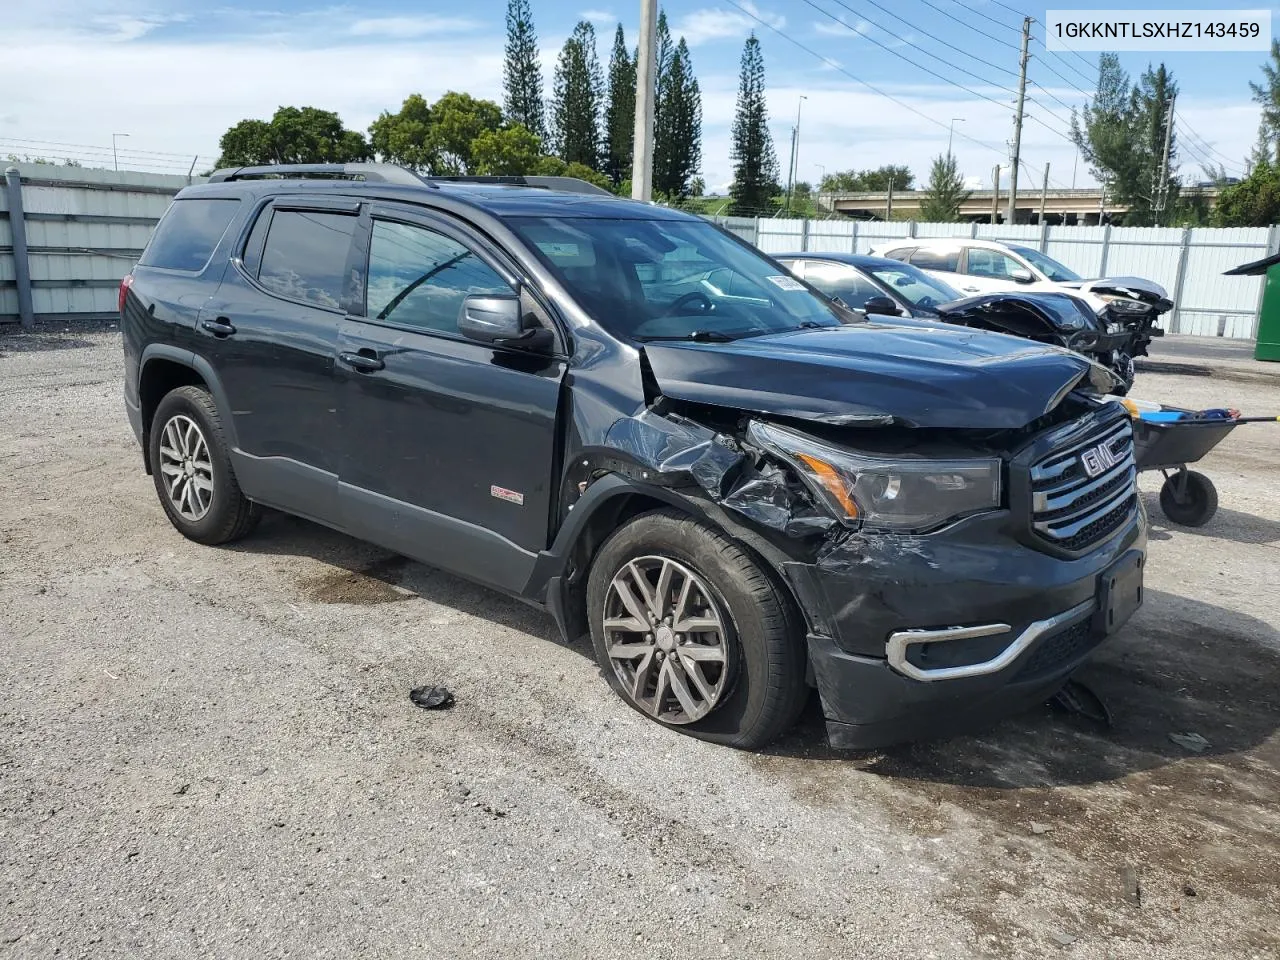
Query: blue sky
point(174, 75)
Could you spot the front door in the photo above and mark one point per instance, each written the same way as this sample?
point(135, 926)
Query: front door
point(270, 333)
point(449, 444)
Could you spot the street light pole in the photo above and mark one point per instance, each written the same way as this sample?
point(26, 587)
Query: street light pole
point(115, 161)
point(795, 149)
point(952, 132)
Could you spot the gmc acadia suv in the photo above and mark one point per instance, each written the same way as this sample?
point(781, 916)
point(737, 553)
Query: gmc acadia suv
point(627, 416)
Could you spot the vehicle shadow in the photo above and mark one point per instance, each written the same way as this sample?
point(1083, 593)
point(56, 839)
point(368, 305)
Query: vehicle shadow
point(1230, 525)
point(1200, 673)
point(365, 575)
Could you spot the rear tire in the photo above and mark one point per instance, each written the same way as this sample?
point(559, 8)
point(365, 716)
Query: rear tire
point(736, 673)
point(192, 470)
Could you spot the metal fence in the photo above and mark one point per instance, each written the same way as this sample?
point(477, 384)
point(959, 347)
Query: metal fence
point(72, 234)
point(1188, 263)
point(82, 231)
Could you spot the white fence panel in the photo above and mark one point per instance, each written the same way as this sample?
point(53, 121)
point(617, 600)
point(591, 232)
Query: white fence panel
point(1080, 248)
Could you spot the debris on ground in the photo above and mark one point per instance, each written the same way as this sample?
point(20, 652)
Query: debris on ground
point(431, 698)
point(1040, 828)
point(1190, 741)
point(1129, 886)
point(1079, 700)
point(1063, 939)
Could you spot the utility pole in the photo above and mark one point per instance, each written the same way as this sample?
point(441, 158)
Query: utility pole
point(642, 155)
point(888, 201)
point(951, 132)
point(115, 161)
point(1162, 193)
point(1015, 154)
point(1044, 193)
point(995, 194)
point(795, 147)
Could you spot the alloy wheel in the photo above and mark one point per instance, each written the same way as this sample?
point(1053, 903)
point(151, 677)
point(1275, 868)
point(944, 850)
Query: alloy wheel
point(186, 468)
point(667, 638)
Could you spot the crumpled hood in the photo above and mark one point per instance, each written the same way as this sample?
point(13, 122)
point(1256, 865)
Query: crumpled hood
point(1026, 314)
point(919, 375)
point(1135, 288)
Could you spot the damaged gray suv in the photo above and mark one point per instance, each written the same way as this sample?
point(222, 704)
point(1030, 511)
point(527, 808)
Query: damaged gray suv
point(620, 413)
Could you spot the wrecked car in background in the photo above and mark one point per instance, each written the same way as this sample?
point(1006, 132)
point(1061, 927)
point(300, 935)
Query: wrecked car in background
point(1111, 329)
point(740, 490)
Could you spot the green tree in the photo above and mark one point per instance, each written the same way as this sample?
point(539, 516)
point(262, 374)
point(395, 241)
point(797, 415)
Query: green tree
point(292, 135)
point(866, 181)
point(664, 53)
point(513, 151)
point(1253, 202)
point(620, 110)
point(944, 193)
point(678, 141)
point(457, 120)
point(755, 166)
point(1121, 135)
point(1262, 150)
point(556, 167)
point(1268, 95)
point(522, 70)
point(575, 110)
point(405, 137)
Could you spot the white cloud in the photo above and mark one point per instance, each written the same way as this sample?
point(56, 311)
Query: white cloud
point(405, 27)
point(831, 28)
point(718, 23)
point(598, 16)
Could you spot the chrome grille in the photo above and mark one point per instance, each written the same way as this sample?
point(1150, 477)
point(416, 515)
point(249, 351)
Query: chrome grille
point(1083, 493)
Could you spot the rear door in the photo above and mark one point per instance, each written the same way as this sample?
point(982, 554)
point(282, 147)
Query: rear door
point(449, 445)
point(270, 333)
point(940, 262)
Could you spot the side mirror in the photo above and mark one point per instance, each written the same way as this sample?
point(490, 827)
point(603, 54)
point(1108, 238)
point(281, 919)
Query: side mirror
point(882, 305)
point(1021, 275)
point(497, 320)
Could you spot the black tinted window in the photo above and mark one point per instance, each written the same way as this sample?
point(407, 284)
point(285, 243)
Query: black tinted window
point(936, 260)
point(306, 255)
point(418, 277)
point(189, 233)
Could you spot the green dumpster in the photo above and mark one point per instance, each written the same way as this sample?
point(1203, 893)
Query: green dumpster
point(1268, 344)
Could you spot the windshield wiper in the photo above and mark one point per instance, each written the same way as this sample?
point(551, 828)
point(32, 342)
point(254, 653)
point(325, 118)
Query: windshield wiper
point(695, 336)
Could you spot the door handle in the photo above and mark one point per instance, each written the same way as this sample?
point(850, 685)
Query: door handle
point(222, 327)
point(361, 361)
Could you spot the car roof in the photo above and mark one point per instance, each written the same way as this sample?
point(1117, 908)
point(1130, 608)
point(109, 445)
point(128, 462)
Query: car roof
point(498, 199)
point(948, 243)
point(853, 259)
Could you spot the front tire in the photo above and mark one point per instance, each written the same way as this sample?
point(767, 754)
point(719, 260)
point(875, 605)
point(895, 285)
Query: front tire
point(192, 470)
point(691, 632)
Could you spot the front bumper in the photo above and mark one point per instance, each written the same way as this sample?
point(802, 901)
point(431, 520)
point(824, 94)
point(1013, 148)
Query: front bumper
point(910, 637)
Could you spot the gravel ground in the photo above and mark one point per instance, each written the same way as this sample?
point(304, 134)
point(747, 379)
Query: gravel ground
point(211, 752)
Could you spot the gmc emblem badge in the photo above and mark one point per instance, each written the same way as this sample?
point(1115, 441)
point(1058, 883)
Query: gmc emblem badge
point(1099, 459)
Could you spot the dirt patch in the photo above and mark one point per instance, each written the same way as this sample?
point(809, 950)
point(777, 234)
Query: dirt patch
point(374, 583)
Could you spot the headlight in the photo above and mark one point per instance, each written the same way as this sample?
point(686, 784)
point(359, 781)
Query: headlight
point(903, 496)
point(1126, 305)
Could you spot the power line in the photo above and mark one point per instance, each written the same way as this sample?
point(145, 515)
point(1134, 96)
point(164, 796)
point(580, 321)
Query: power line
point(932, 36)
point(903, 57)
point(966, 23)
point(1023, 13)
point(870, 86)
point(95, 146)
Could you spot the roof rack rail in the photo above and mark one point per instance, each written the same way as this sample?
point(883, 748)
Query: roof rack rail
point(561, 184)
point(369, 172)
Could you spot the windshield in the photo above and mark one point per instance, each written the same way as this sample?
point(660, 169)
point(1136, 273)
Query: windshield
point(915, 286)
point(671, 279)
point(1050, 267)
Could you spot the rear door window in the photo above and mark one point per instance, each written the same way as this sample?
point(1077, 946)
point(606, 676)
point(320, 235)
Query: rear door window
point(189, 233)
point(305, 256)
point(947, 260)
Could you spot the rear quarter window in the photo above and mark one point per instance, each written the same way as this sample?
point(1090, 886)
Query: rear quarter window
point(188, 234)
